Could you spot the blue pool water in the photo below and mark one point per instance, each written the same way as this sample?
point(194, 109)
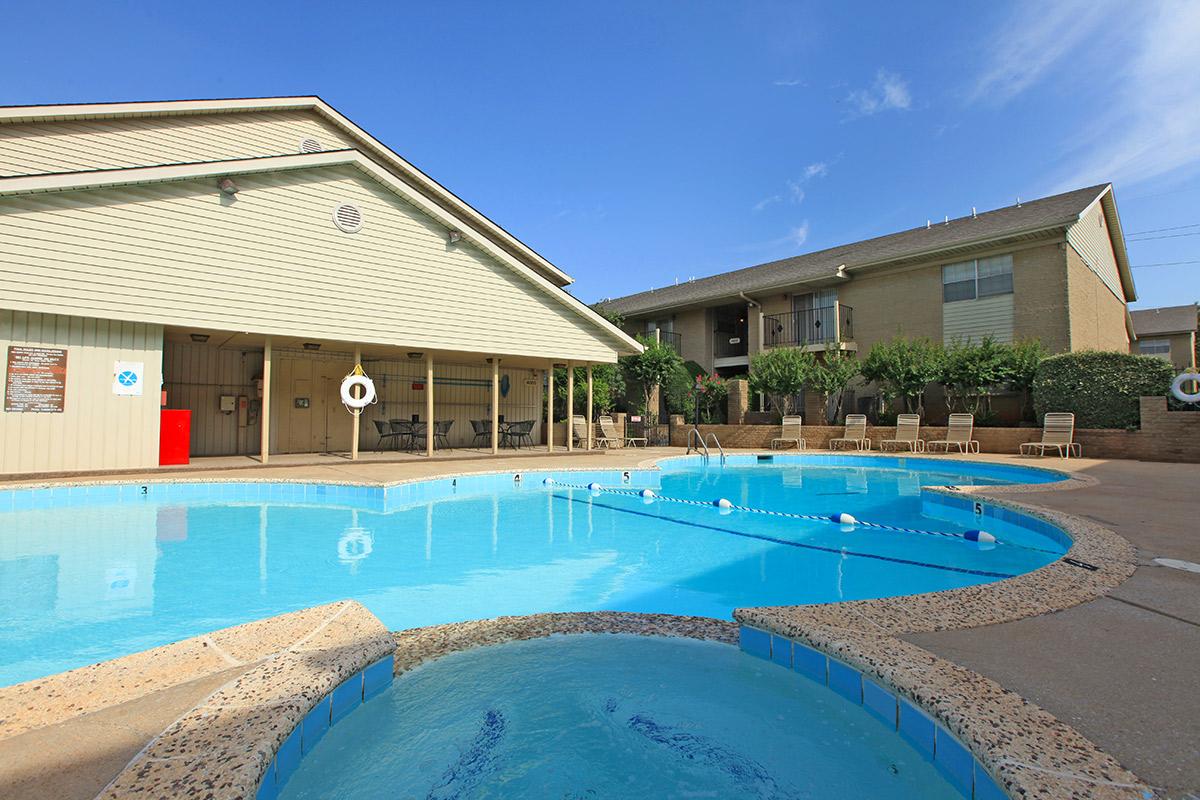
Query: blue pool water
point(602, 716)
point(94, 573)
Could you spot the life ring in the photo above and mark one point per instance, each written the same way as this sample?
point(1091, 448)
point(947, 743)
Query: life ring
point(355, 545)
point(368, 395)
point(1177, 387)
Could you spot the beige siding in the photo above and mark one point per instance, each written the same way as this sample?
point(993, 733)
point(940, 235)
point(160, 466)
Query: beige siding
point(1091, 240)
point(272, 262)
point(972, 320)
point(1097, 316)
point(29, 148)
point(695, 336)
point(1040, 296)
point(195, 376)
point(894, 303)
point(96, 430)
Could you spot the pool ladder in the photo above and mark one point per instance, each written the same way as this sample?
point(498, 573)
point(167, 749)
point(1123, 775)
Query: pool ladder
point(701, 444)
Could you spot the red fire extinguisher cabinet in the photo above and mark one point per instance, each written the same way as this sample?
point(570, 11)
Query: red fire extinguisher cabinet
point(175, 436)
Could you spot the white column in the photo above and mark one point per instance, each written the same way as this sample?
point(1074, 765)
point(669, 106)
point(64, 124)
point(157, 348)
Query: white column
point(358, 390)
point(495, 406)
point(570, 404)
point(265, 416)
point(550, 409)
point(589, 407)
point(429, 406)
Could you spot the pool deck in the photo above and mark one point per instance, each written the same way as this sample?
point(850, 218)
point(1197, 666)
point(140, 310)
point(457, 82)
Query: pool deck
point(1120, 668)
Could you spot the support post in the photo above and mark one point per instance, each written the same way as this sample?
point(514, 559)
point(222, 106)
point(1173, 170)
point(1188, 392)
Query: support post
point(358, 390)
point(495, 406)
point(570, 404)
point(265, 416)
point(589, 407)
point(550, 409)
point(429, 406)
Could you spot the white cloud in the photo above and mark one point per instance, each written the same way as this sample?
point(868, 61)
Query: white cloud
point(795, 192)
point(889, 92)
point(1032, 40)
point(795, 238)
point(766, 201)
point(789, 82)
point(817, 170)
point(798, 235)
point(795, 187)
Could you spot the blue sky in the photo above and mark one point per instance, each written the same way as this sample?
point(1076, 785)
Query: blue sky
point(634, 143)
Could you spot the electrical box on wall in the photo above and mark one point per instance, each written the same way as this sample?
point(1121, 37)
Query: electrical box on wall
point(228, 404)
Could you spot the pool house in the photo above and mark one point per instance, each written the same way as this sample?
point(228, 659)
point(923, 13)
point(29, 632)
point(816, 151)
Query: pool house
point(199, 278)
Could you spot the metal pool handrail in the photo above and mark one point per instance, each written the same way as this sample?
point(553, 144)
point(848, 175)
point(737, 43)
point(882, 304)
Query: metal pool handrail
point(695, 435)
point(717, 442)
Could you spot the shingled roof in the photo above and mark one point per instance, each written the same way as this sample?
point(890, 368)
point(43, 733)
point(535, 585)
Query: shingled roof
point(1171, 319)
point(1045, 214)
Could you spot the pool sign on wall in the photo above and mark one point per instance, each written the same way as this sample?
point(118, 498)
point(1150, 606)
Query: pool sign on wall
point(127, 378)
point(36, 379)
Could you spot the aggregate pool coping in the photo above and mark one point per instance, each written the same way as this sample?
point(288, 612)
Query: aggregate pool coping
point(1027, 749)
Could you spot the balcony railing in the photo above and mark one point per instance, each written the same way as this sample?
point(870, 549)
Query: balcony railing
point(727, 345)
point(825, 325)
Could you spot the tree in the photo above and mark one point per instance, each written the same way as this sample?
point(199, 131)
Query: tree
point(1023, 360)
point(650, 368)
point(608, 384)
point(710, 392)
point(902, 368)
point(780, 373)
point(829, 379)
point(971, 372)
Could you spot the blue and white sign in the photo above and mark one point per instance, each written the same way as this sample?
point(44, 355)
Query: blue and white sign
point(127, 378)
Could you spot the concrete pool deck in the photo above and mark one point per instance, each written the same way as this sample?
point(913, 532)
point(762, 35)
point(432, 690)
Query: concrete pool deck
point(1119, 668)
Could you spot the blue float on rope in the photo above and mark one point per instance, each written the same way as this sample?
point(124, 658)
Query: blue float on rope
point(647, 493)
point(722, 503)
point(548, 481)
point(843, 518)
point(978, 536)
point(593, 486)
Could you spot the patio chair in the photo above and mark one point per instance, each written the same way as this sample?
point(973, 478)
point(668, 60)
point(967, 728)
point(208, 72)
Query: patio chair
point(907, 428)
point(579, 431)
point(1058, 433)
point(959, 430)
point(387, 437)
point(403, 429)
point(519, 433)
point(856, 434)
point(609, 429)
point(482, 428)
point(441, 433)
point(790, 431)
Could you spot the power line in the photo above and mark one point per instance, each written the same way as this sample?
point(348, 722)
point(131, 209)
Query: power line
point(1166, 236)
point(1160, 230)
point(1165, 264)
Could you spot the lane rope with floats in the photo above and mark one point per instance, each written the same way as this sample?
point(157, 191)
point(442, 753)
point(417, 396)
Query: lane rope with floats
point(841, 518)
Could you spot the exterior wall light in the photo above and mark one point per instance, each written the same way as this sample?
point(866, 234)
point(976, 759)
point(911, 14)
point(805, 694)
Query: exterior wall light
point(227, 186)
point(416, 356)
point(455, 237)
point(312, 346)
point(201, 338)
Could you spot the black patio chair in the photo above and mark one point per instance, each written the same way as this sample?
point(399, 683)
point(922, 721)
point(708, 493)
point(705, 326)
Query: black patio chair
point(521, 433)
point(441, 433)
point(404, 433)
point(482, 428)
point(387, 436)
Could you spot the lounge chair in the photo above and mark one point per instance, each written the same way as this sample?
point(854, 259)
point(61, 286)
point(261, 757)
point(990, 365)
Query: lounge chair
point(1058, 433)
point(790, 431)
point(959, 430)
point(579, 431)
point(609, 429)
point(907, 428)
point(856, 434)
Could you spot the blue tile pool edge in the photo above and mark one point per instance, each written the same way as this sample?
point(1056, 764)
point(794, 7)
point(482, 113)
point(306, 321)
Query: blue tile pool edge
point(953, 759)
point(369, 682)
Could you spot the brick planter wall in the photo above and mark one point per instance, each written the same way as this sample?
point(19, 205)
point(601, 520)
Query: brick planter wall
point(1164, 436)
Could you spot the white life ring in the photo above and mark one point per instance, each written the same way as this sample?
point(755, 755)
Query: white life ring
point(1177, 387)
point(368, 395)
point(355, 545)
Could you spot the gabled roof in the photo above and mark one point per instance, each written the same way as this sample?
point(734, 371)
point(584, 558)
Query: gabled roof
point(369, 144)
point(1012, 224)
point(95, 179)
point(1170, 319)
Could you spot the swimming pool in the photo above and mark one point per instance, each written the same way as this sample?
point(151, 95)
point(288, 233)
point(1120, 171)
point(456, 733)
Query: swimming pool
point(91, 573)
point(601, 715)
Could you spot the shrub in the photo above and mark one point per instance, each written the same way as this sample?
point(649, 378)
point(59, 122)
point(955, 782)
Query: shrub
point(652, 367)
point(780, 373)
point(902, 368)
point(829, 379)
point(608, 384)
point(1101, 388)
point(710, 393)
point(970, 372)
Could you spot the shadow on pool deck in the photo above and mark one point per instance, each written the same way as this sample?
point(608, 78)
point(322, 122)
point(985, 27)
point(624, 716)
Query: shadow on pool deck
point(1121, 669)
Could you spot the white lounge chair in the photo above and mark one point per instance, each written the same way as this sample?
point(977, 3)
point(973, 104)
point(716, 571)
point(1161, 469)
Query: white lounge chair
point(959, 431)
point(609, 429)
point(907, 428)
point(1058, 433)
point(790, 431)
point(856, 434)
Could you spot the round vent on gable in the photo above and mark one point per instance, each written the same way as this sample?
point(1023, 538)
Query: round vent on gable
point(310, 146)
point(348, 218)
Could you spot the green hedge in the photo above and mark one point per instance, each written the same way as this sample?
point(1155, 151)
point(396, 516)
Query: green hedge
point(1101, 388)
